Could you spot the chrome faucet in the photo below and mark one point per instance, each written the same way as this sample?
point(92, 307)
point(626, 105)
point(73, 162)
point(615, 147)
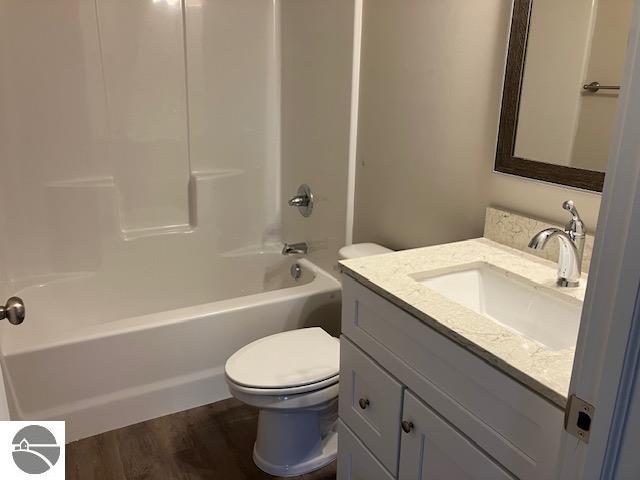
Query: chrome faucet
point(299, 201)
point(301, 248)
point(571, 246)
point(303, 200)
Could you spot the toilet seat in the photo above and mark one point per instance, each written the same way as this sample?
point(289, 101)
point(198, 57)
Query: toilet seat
point(288, 402)
point(310, 387)
point(290, 362)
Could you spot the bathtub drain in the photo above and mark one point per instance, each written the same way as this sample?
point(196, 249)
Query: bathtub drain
point(296, 271)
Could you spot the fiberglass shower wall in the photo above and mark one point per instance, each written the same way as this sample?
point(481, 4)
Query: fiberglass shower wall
point(317, 62)
point(135, 131)
point(112, 132)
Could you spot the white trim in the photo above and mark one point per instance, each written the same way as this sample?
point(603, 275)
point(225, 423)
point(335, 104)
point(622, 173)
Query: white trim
point(623, 413)
point(614, 279)
point(353, 126)
point(275, 149)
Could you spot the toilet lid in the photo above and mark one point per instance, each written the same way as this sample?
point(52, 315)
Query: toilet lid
point(288, 359)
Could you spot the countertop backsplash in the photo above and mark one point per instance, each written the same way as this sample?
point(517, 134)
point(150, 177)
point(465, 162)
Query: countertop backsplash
point(515, 231)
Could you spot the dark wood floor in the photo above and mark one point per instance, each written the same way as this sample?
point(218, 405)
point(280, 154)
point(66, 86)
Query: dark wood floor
point(210, 442)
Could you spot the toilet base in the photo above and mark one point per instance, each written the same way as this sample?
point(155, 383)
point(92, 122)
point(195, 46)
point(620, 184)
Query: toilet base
point(328, 455)
point(295, 442)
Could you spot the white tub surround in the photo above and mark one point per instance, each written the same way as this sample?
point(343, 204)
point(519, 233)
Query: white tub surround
point(394, 276)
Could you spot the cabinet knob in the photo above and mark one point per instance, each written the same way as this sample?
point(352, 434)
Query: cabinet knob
point(363, 402)
point(407, 426)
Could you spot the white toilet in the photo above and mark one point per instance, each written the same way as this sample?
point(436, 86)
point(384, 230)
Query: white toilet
point(292, 377)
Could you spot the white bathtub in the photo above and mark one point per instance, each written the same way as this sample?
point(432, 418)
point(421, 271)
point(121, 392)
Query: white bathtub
point(102, 351)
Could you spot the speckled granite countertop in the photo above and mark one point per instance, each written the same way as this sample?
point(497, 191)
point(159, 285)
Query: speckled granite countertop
point(547, 372)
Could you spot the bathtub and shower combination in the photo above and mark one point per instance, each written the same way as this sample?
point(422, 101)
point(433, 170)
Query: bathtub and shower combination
point(107, 349)
point(146, 174)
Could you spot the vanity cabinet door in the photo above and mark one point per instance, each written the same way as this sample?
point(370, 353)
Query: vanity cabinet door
point(431, 449)
point(370, 403)
point(355, 462)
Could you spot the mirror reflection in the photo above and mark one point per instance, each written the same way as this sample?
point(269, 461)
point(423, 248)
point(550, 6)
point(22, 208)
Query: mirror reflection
point(572, 72)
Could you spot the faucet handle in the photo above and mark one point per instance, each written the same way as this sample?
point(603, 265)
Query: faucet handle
point(303, 200)
point(571, 208)
point(575, 225)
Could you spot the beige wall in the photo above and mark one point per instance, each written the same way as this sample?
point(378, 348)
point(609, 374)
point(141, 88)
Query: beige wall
point(540, 200)
point(430, 91)
point(429, 97)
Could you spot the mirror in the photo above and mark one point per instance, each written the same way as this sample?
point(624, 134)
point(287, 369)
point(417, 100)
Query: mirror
point(562, 81)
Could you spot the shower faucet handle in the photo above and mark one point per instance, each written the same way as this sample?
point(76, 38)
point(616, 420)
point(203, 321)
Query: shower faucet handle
point(299, 201)
point(13, 311)
point(303, 200)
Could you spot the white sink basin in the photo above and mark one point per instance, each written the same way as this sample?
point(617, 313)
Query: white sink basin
point(512, 302)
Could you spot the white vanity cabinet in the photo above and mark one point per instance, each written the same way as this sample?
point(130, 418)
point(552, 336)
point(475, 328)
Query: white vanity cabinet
point(415, 405)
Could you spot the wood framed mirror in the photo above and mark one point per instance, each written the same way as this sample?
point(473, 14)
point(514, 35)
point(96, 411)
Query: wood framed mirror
point(554, 126)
